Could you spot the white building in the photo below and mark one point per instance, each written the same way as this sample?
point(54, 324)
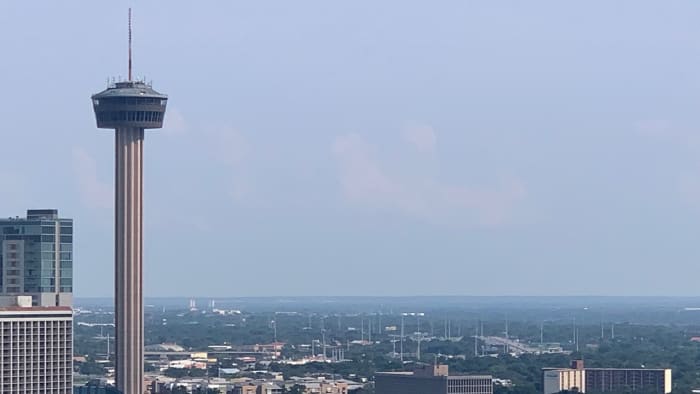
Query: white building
point(556, 380)
point(36, 349)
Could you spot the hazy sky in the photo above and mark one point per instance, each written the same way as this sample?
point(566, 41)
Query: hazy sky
point(371, 147)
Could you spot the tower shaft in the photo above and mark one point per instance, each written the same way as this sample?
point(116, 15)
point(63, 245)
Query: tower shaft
point(128, 252)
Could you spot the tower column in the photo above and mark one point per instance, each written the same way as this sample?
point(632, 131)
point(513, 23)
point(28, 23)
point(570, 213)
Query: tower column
point(128, 283)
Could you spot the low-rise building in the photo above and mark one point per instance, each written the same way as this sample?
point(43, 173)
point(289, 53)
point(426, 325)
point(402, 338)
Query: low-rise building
point(431, 379)
point(617, 380)
point(264, 387)
point(605, 380)
point(563, 379)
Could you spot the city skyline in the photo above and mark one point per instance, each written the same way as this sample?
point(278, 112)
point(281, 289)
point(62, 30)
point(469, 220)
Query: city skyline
point(330, 151)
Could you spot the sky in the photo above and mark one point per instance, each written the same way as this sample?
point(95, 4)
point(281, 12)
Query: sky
point(370, 148)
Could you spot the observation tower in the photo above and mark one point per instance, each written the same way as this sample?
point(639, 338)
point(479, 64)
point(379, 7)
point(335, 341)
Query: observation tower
point(130, 108)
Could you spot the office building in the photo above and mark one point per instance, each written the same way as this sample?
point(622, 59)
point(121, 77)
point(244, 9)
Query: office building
point(36, 258)
point(36, 348)
point(129, 108)
point(555, 380)
point(606, 380)
point(619, 380)
point(431, 379)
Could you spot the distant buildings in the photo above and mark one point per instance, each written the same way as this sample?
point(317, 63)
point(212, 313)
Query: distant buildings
point(36, 258)
point(95, 387)
point(256, 388)
point(311, 385)
point(431, 379)
point(605, 380)
point(36, 348)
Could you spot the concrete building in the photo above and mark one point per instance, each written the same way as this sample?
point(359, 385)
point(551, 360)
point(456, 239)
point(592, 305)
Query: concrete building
point(256, 388)
point(569, 379)
point(431, 379)
point(36, 348)
point(617, 380)
point(129, 107)
point(310, 385)
point(36, 258)
point(605, 380)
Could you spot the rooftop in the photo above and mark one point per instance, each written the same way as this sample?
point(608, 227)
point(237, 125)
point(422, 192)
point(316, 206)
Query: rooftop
point(129, 89)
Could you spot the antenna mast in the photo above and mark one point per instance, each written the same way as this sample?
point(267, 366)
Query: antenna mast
point(129, 44)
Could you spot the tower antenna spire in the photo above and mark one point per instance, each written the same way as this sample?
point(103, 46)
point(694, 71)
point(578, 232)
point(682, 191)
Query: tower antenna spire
point(129, 44)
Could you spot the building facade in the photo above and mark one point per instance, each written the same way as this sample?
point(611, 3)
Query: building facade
point(557, 380)
point(36, 344)
point(431, 379)
point(605, 380)
point(614, 380)
point(36, 258)
point(257, 388)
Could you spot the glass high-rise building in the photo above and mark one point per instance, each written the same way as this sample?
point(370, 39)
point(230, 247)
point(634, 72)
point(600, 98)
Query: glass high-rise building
point(36, 258)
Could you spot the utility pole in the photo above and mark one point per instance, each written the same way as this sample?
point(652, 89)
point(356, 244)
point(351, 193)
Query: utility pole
point(362, 330)
point(369, 328)
point(542, 332)
point(482, 335)
point(420, 337)
point(402, 318)
point(507, 338)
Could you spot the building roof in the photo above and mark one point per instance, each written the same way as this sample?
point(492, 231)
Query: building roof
point(412, 375)
point(36, 309)
point(129, 89)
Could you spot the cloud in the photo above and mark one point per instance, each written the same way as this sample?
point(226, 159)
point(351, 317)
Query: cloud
point(233, 149)
point(361, 177)
point(94, 193)
point(423, 138)
point(365, 181)
point(174, 122)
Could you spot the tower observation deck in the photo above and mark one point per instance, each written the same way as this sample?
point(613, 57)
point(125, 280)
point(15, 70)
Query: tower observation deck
point(129, 104)
point(129, 107)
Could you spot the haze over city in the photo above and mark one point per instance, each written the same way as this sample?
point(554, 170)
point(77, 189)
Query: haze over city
point(372, 148)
